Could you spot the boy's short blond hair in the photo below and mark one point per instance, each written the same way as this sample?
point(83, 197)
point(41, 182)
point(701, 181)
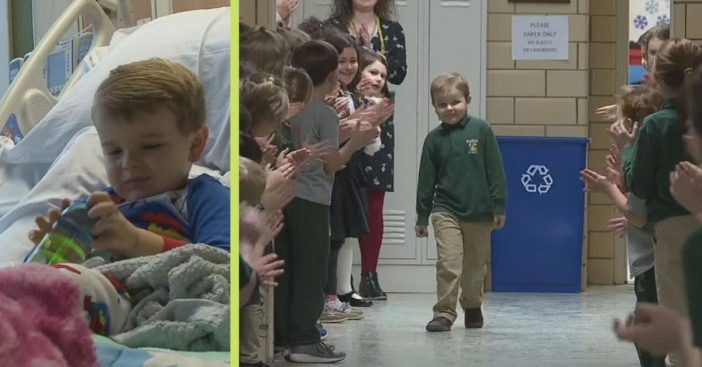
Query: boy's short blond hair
point(252, 181)
point(448, 82)
point(145, 86)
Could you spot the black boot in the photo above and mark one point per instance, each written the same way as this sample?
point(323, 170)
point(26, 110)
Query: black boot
point(365, 288)
point(379, 294)
point(354, 299)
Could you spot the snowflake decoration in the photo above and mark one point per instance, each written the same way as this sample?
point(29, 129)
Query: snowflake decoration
point(652, 6)
point(663, 19)
point(640, 22)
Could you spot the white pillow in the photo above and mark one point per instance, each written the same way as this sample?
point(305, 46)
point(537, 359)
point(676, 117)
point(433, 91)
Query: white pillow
point(198, 39)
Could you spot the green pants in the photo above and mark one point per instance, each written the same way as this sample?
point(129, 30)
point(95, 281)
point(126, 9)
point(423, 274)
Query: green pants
point(299, 298)
point(645, 289)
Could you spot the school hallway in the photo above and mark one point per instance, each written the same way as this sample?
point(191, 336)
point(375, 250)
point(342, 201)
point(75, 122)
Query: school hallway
point(521, 329)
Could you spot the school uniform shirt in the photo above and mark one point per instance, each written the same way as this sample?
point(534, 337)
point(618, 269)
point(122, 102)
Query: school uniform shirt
point(197, 214)
point(316, 124)
point(461, 173)
point(656, 152)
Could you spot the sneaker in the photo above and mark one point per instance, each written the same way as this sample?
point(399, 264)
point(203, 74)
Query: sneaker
point(330, 316)
point(322, 331)
point(314, 353)
point(281, 352)
point(345, 309)
point(439, 324)
point(474, 318)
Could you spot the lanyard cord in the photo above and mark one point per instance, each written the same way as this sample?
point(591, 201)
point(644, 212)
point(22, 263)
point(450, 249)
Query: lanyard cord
point(378, 28)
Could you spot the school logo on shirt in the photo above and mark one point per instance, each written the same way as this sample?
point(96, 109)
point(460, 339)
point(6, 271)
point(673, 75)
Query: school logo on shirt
point(473, 146)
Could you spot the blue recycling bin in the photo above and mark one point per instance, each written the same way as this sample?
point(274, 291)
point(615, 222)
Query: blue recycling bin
point(540, 247)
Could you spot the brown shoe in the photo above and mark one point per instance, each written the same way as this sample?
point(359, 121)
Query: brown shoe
point(474, 318)
point(439, 324)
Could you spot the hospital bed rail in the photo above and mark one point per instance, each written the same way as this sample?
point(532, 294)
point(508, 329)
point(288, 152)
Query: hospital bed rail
point(28, 99)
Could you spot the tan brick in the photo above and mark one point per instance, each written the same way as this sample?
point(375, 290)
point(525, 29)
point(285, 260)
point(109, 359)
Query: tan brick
point(571, 63)
point(499, 55)
point(500, 110)
point(595, 161)
point(582, 111)
point(578, 28)
point(598, 217)
point(516, 83)
point(693, 24)
point(596, 102)
point(566, 83)
point(597, 198)
point(678, 20)
point(499, 27)
point(603, 28)
point(602, 55)
point(582, 56)
point(568, 131)
point(603, 7)
point(583, 6)
point(601, 245)
point(600, 271)
point(571, 8)
point(518, 130)
point(500, 6)
point(602, 82)
point(545, 111)
point(599, 138)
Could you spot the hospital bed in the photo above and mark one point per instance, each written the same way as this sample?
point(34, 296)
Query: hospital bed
point(59, 154)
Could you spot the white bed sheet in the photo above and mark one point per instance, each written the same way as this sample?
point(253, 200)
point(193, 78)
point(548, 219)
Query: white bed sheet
point(199, 39)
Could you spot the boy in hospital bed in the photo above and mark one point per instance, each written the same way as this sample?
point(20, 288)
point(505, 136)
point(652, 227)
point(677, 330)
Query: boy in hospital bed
point(150, 118)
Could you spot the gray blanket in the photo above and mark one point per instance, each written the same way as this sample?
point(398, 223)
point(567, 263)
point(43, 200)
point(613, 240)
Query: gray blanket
point(180, 298)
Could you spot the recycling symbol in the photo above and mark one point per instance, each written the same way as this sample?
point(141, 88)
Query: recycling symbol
point(537, 179)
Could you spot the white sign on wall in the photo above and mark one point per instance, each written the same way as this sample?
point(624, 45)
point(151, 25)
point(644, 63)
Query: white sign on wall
point(540, 37)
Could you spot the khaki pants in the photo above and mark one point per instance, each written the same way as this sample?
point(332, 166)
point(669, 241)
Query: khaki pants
point(463, 249)
point(250, 319)
point(671, 236)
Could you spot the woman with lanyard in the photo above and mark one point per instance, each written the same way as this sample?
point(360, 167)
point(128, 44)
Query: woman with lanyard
point(369, 21)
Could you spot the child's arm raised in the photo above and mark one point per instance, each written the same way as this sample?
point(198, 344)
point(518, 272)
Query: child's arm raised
point(358, 139)
point(595, 182)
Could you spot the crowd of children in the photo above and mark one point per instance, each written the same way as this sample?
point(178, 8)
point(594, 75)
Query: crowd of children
point(309, 114)
point(315, 109)
point(313, 100)
point(652, 180)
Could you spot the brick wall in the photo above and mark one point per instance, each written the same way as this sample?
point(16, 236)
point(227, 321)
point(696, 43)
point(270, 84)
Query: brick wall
point(603, 62)
point(558, 98)
point(537, 98)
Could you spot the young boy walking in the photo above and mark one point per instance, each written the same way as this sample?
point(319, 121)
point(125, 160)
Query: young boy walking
point(462, 186)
